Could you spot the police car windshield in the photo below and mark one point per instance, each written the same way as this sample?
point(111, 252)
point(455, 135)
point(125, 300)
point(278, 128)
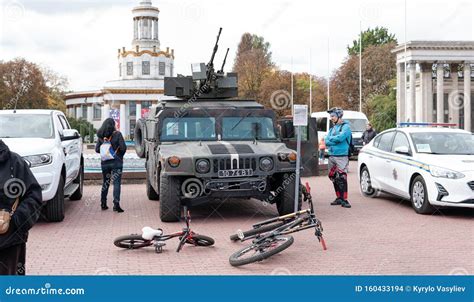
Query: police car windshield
point(26, 126)
point(444, 143)
point(248, 128)
point(188, 129)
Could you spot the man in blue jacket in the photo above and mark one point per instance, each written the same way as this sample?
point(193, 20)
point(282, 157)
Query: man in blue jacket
point(338, 143)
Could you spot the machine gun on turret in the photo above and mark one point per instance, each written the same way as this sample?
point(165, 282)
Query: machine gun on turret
point(205, 82)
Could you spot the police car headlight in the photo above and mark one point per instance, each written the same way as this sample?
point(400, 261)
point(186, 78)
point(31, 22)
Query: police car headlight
point(38, 160)
point(445, 173)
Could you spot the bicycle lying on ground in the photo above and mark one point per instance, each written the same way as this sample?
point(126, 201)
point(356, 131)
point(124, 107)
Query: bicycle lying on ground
point(157, 238)
point(271, 236)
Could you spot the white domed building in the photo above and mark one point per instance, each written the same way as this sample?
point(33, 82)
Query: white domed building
point(140, 70)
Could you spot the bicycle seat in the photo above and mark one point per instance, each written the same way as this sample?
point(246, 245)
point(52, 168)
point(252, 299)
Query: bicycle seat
point(149, 233)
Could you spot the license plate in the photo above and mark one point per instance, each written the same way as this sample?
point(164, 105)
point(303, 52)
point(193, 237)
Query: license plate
point(235, 173)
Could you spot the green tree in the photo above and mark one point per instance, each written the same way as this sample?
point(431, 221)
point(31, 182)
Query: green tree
point(376, 36)
point(85, 128)
point(382, 108)
point(253, 63)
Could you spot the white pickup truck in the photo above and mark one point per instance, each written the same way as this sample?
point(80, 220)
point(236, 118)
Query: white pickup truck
point(53, 150)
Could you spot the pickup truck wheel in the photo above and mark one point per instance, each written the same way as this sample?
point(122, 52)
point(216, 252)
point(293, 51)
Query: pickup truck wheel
point(150, 192)
point(139, 139)
point(170, 204)
point(77, 195)
point(54, 208)
point(285, 200)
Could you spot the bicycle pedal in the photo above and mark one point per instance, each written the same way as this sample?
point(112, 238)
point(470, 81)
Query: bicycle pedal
point(160, 243)
point(240, 234)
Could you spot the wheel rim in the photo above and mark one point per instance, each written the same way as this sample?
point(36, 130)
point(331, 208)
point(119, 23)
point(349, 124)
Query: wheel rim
point(263, 247)
point(365, 182)
point(418, 194)
point(134, 242)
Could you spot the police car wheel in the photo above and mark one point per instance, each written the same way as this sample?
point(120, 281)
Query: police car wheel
point(366, 184)
point(419, 196)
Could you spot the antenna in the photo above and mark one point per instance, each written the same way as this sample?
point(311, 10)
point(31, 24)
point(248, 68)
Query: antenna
point(223, 63)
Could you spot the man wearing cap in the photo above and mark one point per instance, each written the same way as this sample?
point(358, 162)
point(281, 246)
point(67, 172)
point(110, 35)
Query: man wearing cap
point(338, 144)
point(20, 206)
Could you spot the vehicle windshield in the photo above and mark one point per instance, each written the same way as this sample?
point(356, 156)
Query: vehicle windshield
point(444, 143)
point(188, 129)
point(357, 125)
point(26, 126)
point(248, 128)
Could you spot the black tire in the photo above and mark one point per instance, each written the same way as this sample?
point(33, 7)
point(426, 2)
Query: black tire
point(139, 139)
point(283, 241)
point(170, 203)
point(77, 195)
point(54, 208)
point(419, 196)
point(150, 192)
point(256, 231)
point(201, 240)
point(285, 200)
point(365, 183)
point(131, 242)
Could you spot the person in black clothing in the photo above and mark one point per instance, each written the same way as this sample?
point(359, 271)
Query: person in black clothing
point(111, 169)
point(368, 134)
point(17, 182)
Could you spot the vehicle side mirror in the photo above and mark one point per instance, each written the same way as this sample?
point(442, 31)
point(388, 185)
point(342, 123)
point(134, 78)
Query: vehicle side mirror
point(403, 150)
point(287, 130)
point(69, 134)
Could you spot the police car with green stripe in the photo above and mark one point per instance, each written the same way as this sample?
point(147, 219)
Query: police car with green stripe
point(427, 163)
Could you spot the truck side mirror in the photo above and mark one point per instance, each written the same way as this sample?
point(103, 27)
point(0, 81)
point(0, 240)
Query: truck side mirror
point(287, 130)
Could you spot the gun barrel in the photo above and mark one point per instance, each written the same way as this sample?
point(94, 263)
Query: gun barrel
point(225, 59)
point(216, 46)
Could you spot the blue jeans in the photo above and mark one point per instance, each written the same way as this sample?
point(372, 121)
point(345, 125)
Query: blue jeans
point(111, 172)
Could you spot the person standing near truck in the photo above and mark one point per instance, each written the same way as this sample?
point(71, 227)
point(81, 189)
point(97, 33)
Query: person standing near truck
point(338, 142)
point(369, 134)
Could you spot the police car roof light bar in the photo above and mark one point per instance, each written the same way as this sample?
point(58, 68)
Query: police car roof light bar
point(408, 124)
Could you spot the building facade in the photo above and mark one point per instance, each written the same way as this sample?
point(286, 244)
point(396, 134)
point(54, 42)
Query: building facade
point(435, 82)
point(140, 72)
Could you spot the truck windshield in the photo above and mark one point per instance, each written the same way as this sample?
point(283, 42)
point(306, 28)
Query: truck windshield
point(188, 129)
point(26, 126)
point(444, 143)
point(248, 128)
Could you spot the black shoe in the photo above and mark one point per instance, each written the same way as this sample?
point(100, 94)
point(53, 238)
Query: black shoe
point(118, 209)
point(104, 207)
point(345, 204)
point(337, 202)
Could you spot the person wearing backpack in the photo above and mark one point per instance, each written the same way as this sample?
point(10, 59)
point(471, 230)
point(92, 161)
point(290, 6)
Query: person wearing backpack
point(20, 207)
point(112, 148)
point(340, 147)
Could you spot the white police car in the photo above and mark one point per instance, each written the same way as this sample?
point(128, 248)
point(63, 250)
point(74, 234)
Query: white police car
point(431, 166)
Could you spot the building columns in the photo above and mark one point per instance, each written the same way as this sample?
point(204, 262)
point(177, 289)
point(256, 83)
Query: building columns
point(123, 118)
point(401, 91)
point(439, 93)
point(454, 96)
point(426, 104)
point(411, 108)
point(90, 113)
point(105, 111)
point(138, 110)
point(467, 97)
point(79, 112)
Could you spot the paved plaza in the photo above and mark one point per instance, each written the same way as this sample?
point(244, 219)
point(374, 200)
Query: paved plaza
point(382, 236)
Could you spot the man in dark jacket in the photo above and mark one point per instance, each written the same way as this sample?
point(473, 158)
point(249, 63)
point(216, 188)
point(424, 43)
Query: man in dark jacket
point(17, 181)
point(369, 134)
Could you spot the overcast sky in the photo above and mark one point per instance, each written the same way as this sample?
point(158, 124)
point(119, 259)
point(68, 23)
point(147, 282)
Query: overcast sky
point(80, 38)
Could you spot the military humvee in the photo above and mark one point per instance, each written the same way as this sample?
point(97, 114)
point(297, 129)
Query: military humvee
point(203, 144)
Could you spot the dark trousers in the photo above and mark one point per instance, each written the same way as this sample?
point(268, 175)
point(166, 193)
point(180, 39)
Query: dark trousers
point(111, 173)
point(12, 260)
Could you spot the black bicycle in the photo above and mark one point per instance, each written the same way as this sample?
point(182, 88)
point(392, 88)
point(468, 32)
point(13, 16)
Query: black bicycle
point(271, 236)
point(157, 238)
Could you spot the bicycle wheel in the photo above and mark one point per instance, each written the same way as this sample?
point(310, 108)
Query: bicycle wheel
point(131, 242)
point(260, 251)
point(262, 229)
point(201, 240)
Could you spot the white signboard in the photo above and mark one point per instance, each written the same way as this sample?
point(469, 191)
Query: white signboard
point(300, 115)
